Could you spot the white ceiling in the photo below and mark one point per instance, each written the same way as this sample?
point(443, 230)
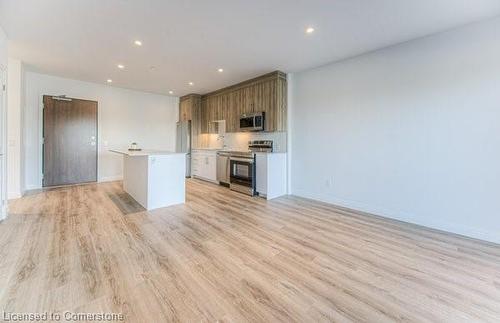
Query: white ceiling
point(188, 40)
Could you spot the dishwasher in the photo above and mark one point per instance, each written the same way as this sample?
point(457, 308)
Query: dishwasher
point(223, 167)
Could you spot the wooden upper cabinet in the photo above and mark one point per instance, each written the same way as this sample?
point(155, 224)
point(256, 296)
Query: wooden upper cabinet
point(263, 94)
point(209, 113)
point(264, 98)
point(190, 110)
point(204, 116)
point(229, 112)
point(186, 105)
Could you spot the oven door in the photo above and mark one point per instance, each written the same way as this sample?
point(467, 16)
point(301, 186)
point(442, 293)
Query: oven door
point(242, 175)
point(247, 123)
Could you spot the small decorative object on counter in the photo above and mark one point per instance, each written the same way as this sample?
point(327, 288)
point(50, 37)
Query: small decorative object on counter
point(134, 147)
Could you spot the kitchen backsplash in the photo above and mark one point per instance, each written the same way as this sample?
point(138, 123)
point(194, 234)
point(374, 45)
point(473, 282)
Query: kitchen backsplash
point(239, 140)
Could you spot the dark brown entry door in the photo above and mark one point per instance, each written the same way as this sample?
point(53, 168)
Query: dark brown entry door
point(70, 141)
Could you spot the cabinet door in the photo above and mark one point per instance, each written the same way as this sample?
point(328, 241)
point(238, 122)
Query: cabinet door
point(231, 113)
point(265, 101)
point(211, 167)
point(235, 111)
point(261, 173)
point(213, 113)
point(196, 122)
point(204, 166)
point(185, 109)
point(249, 102)
point(241, 98)
point(204, 116)
point(195, 164)
point(208, 113)
point(188, 110)
point(182, 105)
point(281, 104)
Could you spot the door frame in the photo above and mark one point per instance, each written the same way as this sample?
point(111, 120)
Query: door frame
point(3, 138)
point(40, 136)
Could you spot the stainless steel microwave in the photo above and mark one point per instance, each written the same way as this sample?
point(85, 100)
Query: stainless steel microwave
point(252, 121)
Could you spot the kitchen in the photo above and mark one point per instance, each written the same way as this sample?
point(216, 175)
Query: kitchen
point(236, 136)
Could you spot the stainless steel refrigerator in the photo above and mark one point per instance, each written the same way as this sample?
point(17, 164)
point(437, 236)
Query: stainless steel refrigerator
point(183, 143)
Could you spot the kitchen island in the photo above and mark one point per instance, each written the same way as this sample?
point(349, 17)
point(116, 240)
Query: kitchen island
point(154, 178)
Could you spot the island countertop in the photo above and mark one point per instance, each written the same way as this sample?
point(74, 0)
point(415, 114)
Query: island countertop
point(154, 178)
point(144, 152)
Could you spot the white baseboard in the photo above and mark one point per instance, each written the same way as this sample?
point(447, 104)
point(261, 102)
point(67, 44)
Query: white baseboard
point(475, 233)
point(3, 212)
point(32, 187)
point(14, 195)
point(110, 178)
point(100, 180)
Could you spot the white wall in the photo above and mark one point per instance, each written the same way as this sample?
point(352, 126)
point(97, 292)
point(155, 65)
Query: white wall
point(411, 132)
point(14, 133)
point(3, 49)
point(123, 116)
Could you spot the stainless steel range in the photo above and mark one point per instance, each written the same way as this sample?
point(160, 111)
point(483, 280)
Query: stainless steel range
point(242, 172)
point(261, 146)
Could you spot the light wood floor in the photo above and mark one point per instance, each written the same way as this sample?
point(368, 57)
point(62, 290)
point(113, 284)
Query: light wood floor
point(224, 256)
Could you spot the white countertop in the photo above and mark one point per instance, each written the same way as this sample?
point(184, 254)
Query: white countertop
point(145, 152)
point(238, 150)
point(270, 152)
point(210, 149)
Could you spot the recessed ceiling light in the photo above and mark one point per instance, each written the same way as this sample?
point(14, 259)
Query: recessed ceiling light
point(220, 70)
point(191, 83)
point(138, 42)
point(170, 92)
point(109, 81)
point(309, 30)
point(120, 66)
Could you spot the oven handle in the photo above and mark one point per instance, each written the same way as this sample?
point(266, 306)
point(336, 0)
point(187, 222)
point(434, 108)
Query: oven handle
point(245, 160)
